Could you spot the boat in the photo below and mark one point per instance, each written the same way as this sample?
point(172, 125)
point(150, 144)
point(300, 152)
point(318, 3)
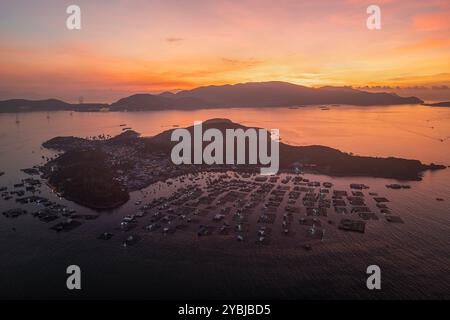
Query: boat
point(153, 227)
point(358, 186)
point(131, 240)
point(128, 219)
point(105, 236)
point(140, 214)
point(218, 217)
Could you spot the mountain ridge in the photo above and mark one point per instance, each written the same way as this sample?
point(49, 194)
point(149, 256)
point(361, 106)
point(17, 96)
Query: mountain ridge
point(241, 95)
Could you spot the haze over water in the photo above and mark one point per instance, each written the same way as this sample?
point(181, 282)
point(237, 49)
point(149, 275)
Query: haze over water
point(409, 131)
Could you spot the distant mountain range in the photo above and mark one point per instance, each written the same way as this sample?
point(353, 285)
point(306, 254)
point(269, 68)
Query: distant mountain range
point(253, 94)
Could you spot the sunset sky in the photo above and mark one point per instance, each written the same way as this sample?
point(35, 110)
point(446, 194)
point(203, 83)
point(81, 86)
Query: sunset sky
point(155, 45)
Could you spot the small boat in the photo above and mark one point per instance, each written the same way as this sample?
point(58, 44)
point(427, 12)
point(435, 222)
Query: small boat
point(105, 236)
point(131, 240)
point(218, 217)
point(128, 219)
point(153, 227)
point(140, 214)
point(358, 186)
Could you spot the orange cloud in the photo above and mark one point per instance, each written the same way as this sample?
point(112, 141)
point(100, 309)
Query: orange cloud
point(174, 39)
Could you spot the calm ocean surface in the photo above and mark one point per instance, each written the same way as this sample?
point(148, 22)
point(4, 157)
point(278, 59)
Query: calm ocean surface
point(414, 256)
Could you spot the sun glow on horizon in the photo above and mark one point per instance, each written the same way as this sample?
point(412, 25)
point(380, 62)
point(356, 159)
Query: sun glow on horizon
point(154, 46)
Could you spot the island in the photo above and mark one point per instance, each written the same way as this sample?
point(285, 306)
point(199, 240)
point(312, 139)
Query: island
point(439, 104)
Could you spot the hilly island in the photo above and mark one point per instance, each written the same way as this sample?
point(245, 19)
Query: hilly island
point(129, 162)
point(252, 94)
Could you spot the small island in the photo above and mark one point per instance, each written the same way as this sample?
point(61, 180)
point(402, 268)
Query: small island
point(439, 104)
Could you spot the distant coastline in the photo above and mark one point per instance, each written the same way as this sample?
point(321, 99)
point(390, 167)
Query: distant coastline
point(246, 95)
point(438, 104)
